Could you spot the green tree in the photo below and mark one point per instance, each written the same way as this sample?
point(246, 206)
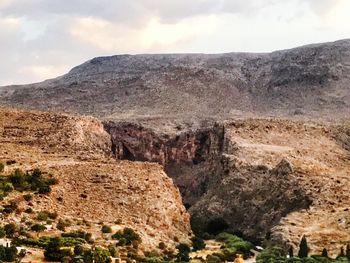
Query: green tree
point(324, 253)
point(303, 248)
point(291, 252)
point(183, 252)
point(106, 229)
point(10, 229)
point(347, 253)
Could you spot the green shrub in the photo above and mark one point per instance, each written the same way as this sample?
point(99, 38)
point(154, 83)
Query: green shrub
point(38, 227)
point(28, 197)
point(183, 252)
point(2, 232)
point(101, 255)
point(213, 259)
point(106, 229)
point(2, 167)
point(42, 216)
point(197, 243)
point(126, 236)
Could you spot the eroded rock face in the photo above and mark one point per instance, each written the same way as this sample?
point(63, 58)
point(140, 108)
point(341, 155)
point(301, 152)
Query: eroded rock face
point(262, 178)
point(191, 158)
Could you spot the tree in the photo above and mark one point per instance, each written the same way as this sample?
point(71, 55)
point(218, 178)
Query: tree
point(342, 253)
point(183, 252)
point(53, 250)
point(2, 167)
point(10, 229)
point(347, 253)
point(303, 248)
point(38, 227)
point(324, 253)
point(291, 252)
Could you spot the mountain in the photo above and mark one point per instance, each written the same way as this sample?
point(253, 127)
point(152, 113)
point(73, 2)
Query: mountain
point(311, 80)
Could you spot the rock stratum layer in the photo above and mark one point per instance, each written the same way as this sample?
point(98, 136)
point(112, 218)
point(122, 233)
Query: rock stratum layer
point(92, 186)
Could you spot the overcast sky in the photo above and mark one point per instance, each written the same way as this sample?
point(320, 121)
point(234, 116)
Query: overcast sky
point(41, 39)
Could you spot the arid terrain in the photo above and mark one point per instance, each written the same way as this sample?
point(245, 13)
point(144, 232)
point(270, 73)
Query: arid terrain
point(93, 187)
point(257, 144)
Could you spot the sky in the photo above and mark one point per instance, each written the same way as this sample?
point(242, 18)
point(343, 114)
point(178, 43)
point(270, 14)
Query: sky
point(41, 39)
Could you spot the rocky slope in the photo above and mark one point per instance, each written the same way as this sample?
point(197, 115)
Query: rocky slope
point(311, 80)
point(93, 187)
point(262, 178)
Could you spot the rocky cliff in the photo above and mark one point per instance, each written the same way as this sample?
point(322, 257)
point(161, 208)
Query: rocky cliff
point(261, 178)
point(190, 157)
point(93, 187)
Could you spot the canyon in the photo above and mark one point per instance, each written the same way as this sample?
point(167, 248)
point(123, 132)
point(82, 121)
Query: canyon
point(257, 144)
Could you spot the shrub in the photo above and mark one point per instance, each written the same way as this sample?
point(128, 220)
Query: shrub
point(106, 229)
point(28, 197)
point(42, 216)
point(62, 224)
point(2, 167)
point(101, 255)
point(273, 254)
point(2, 232)
point(183, 252)
point(197, 243)
point(38, 227)
point(126, 237)
point(213, 259)
point(28, 210)
point(161, 245)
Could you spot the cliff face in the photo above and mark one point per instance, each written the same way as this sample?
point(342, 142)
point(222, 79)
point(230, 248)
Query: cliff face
point(93, 187)
point(191, 158)
point(253, 177)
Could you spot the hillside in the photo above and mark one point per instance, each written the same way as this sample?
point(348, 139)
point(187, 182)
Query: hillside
point(311, 80)
point(92, 187)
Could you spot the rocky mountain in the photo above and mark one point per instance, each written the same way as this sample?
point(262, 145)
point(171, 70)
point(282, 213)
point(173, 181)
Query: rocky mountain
point(92, 186)
point(311, 80)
